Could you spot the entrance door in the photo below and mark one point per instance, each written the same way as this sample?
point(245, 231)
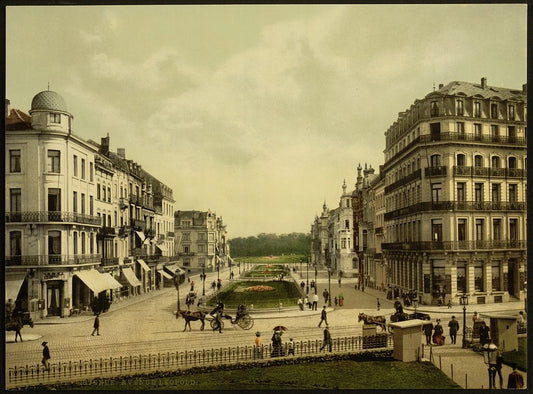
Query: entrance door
point(511, 277)
point(53, 297)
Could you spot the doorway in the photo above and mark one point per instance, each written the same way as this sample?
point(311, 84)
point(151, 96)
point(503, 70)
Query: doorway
point(54, 295)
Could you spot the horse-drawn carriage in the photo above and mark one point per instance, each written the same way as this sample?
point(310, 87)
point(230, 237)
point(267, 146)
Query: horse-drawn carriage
point(242, 319)
point(190, 299)
point(16, 321)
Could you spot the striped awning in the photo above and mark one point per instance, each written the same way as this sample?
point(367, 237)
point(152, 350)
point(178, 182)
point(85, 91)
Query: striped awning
point(140, 234)
point(143, 265)
point(13, 283)
point(163, 273)
point(129, 276)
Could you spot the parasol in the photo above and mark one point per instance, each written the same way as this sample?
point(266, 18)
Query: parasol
point(280, 328)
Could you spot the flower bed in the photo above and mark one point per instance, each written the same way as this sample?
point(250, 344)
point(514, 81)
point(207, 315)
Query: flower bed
point(259, 288)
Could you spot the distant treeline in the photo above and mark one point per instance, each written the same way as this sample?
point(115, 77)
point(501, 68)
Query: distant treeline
point(270, 244)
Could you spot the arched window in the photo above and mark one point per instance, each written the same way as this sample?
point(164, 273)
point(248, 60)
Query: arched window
point(495, 162)
point(478, 161)
point(460, 160)
point(435, 161)
point(512, 162)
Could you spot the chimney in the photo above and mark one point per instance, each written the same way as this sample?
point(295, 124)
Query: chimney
point(524, 89)
point(121, 152)
point(104, 145)
point(7, 107)
point(483, 83)
point(441, 85)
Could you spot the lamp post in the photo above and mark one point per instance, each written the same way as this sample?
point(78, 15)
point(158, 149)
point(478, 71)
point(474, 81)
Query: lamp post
point(218, 271)
point(415, 304)
point(301, 269)
point(315, 280)
point(203, 281)
point(489, 356)
point(239, 268)
point(329, 286)
point(307, 275)
point(464, 302)
point(177, 284)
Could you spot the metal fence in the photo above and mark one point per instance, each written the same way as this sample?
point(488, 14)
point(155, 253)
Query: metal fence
point(143, 363)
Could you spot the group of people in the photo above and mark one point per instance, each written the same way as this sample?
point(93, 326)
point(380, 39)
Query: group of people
point(434, 333)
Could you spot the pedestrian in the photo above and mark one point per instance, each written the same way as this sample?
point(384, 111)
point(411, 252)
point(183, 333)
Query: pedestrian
point(301, 303)
point(258, 346)
point(428, 329)
point(449, 304)
point(499, 365)
point(213, 285)
point(358, 285)
point(336, 301)
point(341, 300)
point(475, 317)
point(454, 327)
point(325, 295)
point(484, 334)
point(96, 325)
point(327, 339)
point(192, 285)
point(46, 356)
point(290, 347)
point(315, 302)
point(438, 339)
point(323, 317)
point(379, 305)
point(306, 302)
point(339, 282)
point(515, 380)
point(302, 285)
point(219, 285)
point(521, 319)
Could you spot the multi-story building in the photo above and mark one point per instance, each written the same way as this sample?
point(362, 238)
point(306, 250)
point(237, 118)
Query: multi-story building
point(201, 240)
point(51, 226)
point(455, 186)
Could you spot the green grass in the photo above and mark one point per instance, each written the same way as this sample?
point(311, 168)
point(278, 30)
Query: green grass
point(285, 259)
point(338, 374)
point(284, 291)
point(518, 356)
point(266, 271)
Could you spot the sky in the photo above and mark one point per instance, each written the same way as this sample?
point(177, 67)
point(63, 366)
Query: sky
point(257, 112)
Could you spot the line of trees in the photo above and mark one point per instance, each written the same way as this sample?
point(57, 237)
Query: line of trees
point(270, 244)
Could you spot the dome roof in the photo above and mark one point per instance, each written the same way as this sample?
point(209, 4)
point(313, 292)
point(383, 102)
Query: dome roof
point(49, 100)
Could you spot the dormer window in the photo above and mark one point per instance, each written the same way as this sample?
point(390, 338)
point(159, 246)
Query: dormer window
point(477, 109)
point(55, 118)
point(459, 108)
point(434, 108)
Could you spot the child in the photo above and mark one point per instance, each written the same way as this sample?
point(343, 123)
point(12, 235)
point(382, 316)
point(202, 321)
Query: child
point(290, 346)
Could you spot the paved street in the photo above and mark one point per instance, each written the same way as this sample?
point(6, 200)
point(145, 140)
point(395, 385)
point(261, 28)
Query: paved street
point(146, 324)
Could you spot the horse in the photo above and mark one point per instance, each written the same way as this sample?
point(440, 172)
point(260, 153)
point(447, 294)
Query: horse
point(192, 316)
point(17, 322)
point(379, 320)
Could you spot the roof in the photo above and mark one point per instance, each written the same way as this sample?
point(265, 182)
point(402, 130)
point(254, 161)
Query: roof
point(49, 100)
point(17, 120)
point(468, 89)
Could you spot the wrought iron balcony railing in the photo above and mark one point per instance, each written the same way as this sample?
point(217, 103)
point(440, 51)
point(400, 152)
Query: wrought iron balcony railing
point(454, 245)
point(107, 232)
point(37, 260)
point(435, 171)
point(170, 234)
point(51, 216)
point(109, 260)
point(139, 225)
point(411, 177)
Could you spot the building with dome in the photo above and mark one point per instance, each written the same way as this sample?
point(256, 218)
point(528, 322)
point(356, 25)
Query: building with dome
point(78, 216)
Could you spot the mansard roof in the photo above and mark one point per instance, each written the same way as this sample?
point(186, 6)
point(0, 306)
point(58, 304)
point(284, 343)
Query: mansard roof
point(468, 89)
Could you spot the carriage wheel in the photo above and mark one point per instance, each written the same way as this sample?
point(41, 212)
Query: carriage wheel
point(214, 324)
point(390, 329)
point(246, 322)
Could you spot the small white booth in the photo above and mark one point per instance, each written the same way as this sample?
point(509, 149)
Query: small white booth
point(407, 342)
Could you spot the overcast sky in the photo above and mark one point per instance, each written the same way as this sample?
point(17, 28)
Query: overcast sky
point(256, 112)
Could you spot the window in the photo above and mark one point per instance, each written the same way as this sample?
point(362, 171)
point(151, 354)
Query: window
point(460, 128)
point(15, 198)
point(15, 243)
point(75, 202)
point(434, 108)
point(477, 131)
point(461, 186)
point(108, 194)
point(478, 161)
point(201, 248)
point(461, 229)
point(461, 277)
point(439, 278)
point(495, 194)
point(495, 161)
point(186, 248)
point(478, 192)
point(91, 205)
point(75, 170)
point(346, 224)
point(116, 218)
point(478, 277)
point(82, 168)
point(477, 109)
point(436, 189)
point(511, 132)
point(75, 242)
point(54, 243)
point(512, 193)
point(459, 108)
point(91, 170)
point(496, 229)
point(495, 268)
point(512, 162)
point(14, 160)
point(494, 111)
point(103, 193)
point(82, 236)
point(461, 160)
point(511, 112)
point(435, 160)
point(82, 202)
point(201, 236)
point(53, 163)
point(436, 230)
point(513, 229)
point(55, 118)
point(186, 236)
point(91, 243)
point(494, 132)
point(54, 199)
point(479, 229)
point(97, 191)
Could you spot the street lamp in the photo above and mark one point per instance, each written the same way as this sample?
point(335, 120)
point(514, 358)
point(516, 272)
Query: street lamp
point(230, 270)
point(218, 270)
point(315, 279)
point(415, 304)
point(239, 268)
point(177, 284)
point(203, 280)
point(489, 356)
point(307, 275)
point(329, 286)
point(464, 302)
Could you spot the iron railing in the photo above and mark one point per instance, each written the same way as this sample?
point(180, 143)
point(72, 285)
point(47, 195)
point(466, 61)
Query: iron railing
point(53, 259)
point(21, 376)
point(454, 245)
point(52, 216)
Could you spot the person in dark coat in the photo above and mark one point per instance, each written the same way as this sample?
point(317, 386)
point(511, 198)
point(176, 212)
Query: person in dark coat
point(484, 334)
point(327, 340)
point(46, 356)
point(428, 329)
point(96, 325)
point(454, 327)
point(323, 317)
point(438, 339)
point(499, 365)
point(515, 380)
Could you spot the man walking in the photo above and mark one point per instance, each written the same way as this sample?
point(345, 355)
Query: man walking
point(325, 295)
point(379, 305)
point(327, 339)
point(454, 327)
point(96, 325)
point(46, 356)
point(323, 317)
point(315, 302)
point(428, 329)
point(516, 380)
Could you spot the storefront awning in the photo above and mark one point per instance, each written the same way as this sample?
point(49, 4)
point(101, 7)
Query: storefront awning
point(143, 265)
point(130, 277)
point(13, 282)
point(172, 268)
point(96, 281)
point(140, 234)
point(163, 273)
point(162, 247)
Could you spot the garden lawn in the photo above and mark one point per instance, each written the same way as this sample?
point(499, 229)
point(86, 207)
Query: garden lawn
point(284, 291)
point(285, 259)
point(519, 356)
point(338, 374)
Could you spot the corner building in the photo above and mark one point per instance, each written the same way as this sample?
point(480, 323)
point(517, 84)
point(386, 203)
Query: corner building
point(455, 192)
